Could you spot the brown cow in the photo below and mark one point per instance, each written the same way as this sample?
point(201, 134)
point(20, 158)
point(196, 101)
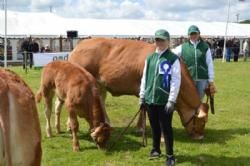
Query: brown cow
point(117, 65)
point(77, 88)
point(20, 134)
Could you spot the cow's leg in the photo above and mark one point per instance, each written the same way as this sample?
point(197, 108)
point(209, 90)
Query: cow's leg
point(68, 125)
point(48, 109)
point(103, 92)
point(74, 128)
point(58, 108)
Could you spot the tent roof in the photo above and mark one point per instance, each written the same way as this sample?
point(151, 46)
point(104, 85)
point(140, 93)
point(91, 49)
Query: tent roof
point(21, 23)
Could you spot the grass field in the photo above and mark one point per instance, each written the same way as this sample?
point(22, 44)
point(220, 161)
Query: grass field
point(226, 142)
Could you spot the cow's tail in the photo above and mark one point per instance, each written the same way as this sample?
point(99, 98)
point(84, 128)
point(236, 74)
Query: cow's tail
point(39, 95)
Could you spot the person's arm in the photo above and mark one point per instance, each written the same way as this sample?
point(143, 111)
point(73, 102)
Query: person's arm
point(143, 82)
point(175, 81)
point(177, 50)
point(210, 65)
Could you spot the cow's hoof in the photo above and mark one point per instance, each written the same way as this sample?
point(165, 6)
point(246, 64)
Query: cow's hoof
point(58, 130)
point(49, 135)
point(76, 148)
point(198, 137)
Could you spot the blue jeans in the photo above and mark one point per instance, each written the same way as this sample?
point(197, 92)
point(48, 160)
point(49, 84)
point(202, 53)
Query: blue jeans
point(201, 86)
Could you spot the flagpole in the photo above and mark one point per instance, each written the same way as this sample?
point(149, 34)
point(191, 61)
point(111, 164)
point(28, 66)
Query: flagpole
point(5, 35)
point(225, 37)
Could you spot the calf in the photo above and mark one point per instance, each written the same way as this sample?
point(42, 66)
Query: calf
point(75, 87)
point(20, 134)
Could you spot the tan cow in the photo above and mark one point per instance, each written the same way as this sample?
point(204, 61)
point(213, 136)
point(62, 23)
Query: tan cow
point(77, 88)
point(117, 65)
point(20, 134)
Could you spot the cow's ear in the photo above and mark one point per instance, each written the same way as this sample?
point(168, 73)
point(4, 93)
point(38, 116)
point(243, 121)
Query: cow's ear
point(203, 110)
point(92, 130)
point(93, 135)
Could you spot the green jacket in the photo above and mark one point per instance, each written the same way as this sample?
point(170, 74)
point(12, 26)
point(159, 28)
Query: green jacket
point(158, 76)
point(195, 59)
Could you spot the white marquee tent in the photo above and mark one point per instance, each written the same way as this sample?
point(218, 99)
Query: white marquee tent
point(20, 23)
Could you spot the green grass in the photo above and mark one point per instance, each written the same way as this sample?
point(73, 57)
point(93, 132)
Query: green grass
point(226, 142)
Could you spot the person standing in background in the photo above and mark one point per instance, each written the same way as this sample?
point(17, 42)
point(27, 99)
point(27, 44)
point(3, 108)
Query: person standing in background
point(246, 49)
point(196, 54)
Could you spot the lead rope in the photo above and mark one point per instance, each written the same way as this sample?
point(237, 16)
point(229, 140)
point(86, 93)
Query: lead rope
point(123, 132)
point(144, 136)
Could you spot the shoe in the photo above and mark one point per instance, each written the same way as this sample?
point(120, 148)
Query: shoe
point(154, 154)
point(170, 161)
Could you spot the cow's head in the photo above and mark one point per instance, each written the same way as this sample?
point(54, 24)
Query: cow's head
point(196, 124)
point(101, 134)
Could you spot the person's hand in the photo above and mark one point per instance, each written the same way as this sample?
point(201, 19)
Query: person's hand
point(212, 88)
point(169, 107)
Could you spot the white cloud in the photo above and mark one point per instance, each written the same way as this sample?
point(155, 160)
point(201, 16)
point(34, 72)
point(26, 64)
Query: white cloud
point(198, 10)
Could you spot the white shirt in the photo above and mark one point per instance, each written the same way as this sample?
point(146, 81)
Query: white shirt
point(174, 83)
point(209, 59)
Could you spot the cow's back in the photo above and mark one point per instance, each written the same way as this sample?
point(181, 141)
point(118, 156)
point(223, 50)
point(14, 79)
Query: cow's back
point(70, 82)
point(118, 65)
point(19, 123)
point(114, 62)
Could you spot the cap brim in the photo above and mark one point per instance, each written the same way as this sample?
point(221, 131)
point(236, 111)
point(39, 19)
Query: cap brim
point(193, 32)
point(161, 37)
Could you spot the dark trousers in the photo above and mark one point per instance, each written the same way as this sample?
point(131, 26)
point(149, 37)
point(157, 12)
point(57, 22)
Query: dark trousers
point(29, 56)
point(31, 59)
point(161, 122)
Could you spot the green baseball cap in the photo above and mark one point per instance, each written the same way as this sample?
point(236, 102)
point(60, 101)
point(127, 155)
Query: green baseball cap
point(193, 29)
point(162, 34)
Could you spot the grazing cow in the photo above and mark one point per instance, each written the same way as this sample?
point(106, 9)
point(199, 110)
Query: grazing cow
point(20, 134)
point(117, 65)
point(77, 88)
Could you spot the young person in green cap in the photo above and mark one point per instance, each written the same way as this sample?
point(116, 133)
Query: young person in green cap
point(159, 88)
point(198, 59)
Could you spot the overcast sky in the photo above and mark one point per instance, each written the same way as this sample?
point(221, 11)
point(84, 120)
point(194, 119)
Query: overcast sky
point(192, 10)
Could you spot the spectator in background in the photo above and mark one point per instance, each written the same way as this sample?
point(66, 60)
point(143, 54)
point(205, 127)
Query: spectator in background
point(246, 49)
point(42, 49)
point(229, 46)
point(47, 49)
point(236, 50)
point(25, 49)
point(33, 48)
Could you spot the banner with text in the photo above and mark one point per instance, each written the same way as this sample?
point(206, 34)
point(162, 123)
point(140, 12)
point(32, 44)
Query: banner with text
point(41, 59)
